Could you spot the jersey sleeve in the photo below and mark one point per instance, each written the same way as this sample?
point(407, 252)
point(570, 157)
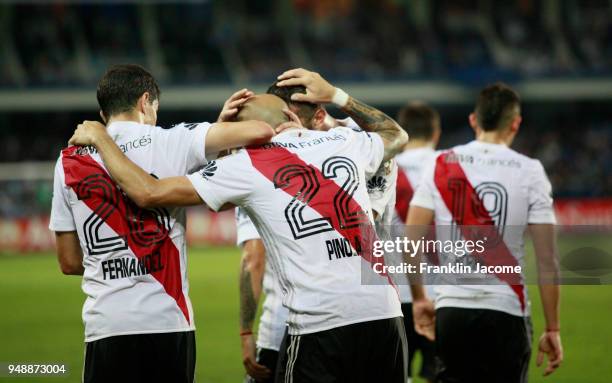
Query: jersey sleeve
point(245, 228)
point(541, 208)
point(185, 145)
point(424, 195)
point(381, 187)
point(61, 213)
point(350, 123)
point(370, 148)
point(223, 181)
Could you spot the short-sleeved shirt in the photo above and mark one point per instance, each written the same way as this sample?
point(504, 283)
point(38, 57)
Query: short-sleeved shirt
point(411, 163)
point(306, 193)
point(135, 259)
point(272, 323)
point(486, 184)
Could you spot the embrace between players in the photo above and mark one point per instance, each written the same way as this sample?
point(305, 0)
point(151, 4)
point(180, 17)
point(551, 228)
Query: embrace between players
point(305, 184)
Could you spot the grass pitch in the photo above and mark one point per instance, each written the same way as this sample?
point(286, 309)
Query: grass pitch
point(40, 320)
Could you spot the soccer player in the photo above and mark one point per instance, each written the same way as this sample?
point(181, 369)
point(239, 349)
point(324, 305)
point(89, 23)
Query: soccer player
point(422, 123)
point(256, 275)
point(138, 318)
point(306, 193)
point(483, 330)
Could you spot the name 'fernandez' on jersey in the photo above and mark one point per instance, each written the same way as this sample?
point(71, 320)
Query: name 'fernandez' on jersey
point(315, 227)
point(135, 259)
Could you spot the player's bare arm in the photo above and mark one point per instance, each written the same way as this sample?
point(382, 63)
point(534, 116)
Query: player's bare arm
point(69, 253)
point(221, 135)
point(145, 190)
point(373, 120)
point(230, 135)
point(252, 267)
point(370, 119)
point(544, 244)
point(227, 134)
point(417, 224)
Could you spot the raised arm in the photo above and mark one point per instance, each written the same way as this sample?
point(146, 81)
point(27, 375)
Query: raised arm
point(370, 119)
point(230, 135)
point(226, 134)
point(145, 190)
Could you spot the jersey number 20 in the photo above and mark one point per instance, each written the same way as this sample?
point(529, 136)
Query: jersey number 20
point(146, 227)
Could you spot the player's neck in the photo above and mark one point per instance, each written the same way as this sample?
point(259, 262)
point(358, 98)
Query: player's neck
point(494, 137)
point(126, 117)
point(418, 144)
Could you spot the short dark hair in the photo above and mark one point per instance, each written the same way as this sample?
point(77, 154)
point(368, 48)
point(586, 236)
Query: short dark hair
point(495, 105)
point(418, 120)
point(122, 85)
point(306, 110)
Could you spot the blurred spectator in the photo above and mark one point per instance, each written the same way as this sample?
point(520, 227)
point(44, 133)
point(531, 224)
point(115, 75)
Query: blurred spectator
point(198, 42)
point(240, 41)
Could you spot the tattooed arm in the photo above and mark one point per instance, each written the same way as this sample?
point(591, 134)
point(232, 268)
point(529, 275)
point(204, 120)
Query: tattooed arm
point(373, 120)
point(370, 119)
point(252, 266)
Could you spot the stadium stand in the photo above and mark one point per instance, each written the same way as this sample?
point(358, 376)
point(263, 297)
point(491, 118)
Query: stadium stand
point(236, 43)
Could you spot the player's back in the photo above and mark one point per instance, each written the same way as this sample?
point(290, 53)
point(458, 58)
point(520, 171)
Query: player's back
point(511, 186)
point(134, 259)
point(486, 185)
point(306, 193)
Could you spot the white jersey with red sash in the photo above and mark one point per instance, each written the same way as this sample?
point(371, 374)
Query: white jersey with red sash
point(486, 185)
point(272, 322)
point(135, 259)
point(411, 164)
point(306, 193)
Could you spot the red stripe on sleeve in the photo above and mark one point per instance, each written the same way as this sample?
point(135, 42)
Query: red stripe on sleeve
point(474, 214)
point(139, 227)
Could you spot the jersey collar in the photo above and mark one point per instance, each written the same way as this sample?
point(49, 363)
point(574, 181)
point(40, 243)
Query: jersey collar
point(116, 127)
point(488, 144)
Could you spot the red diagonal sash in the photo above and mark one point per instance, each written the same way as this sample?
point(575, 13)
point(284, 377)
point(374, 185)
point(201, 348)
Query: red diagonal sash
point(474, 214)
point(149, 237)
point(268, 160)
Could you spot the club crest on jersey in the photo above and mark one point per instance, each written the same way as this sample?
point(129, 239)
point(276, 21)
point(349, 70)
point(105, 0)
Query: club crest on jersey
point(376, 183)
point(209, 170)
point(187, 125)
point(85, 150)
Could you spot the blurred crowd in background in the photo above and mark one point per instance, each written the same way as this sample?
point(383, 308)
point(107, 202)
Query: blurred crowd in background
point(237, 42)
point(214, 41)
